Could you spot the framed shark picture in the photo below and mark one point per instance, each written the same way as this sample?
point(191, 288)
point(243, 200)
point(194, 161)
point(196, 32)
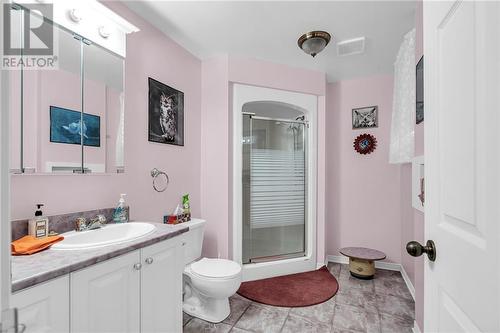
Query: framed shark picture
point(166, 114)
point(66, 126)
point(366, 117)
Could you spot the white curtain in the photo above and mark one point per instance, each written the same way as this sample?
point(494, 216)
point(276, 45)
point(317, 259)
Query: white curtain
point(403, 105)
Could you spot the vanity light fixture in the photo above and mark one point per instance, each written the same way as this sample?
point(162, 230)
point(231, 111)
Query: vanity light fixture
point(314, 42)
point(104, 31)
point(75, 15)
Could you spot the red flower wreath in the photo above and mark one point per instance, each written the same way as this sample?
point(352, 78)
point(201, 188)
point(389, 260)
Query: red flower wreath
point(365, 143)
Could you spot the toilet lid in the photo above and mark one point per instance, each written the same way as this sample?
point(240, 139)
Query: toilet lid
point(215, 268)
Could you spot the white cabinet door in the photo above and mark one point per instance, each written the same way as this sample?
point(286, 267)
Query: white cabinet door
point(45, 307)
point(161, 287)
point(462, 163)
point(105, 297)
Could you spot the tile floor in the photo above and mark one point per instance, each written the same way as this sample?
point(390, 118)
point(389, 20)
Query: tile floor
point(382, 305)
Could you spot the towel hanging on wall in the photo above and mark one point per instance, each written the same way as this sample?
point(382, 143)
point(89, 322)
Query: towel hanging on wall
point(403, 104)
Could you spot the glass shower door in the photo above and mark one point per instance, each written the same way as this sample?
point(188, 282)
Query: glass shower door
point(274, 189)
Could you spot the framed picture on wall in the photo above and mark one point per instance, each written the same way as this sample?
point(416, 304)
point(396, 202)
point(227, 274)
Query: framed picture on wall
point(365, 117)
point(65, 127)
point(166, 114)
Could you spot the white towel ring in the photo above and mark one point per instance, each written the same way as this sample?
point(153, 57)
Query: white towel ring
point(155, 173)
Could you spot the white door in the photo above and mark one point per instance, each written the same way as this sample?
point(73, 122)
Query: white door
point(105, 297)
point(462, 147)
point(161, 287)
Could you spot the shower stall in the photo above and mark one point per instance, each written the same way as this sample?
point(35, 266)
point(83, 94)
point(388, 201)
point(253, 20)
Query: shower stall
point(274, 181)
point(274, 186)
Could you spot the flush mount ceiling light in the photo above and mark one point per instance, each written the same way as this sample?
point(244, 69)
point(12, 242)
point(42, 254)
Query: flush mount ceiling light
point(314, 42)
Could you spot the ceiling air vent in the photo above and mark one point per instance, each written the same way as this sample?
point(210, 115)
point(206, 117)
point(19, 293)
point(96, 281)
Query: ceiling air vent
point(351, 46)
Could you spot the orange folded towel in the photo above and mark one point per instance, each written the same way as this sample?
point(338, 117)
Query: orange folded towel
point(31, 244)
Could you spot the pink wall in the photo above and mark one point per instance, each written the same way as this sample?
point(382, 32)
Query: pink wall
point(215, 157)
point(363, 191)
point(217, 76)
point(149, 53)
point(389, 221)
point(278, 76)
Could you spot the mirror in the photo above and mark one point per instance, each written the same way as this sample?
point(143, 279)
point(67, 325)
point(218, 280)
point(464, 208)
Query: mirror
point(103, 110)
point(69, 119)
point(15, 87)
point(51, 141)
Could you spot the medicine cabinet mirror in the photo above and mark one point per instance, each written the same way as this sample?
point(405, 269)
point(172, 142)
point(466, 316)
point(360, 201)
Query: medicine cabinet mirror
point(69, 119)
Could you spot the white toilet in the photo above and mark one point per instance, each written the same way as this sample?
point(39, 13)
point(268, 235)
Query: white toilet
point(208, 283)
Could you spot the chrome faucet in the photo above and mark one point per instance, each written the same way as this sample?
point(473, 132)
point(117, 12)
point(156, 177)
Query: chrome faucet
point(95, 223)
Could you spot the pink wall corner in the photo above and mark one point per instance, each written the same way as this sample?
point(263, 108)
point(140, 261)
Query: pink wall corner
point(333, 167)
point(321, 188)
point(215, 156)
point(367, 193)
point(149, 53)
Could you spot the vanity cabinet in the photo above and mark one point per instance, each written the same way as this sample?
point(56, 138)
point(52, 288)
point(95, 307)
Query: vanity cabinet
point(45, 307)
point(137, 292)
point(161, 287)
point(106, 297)
point(140, 291)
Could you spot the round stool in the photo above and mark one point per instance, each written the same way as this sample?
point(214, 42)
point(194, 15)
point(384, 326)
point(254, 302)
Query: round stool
point(362, 261)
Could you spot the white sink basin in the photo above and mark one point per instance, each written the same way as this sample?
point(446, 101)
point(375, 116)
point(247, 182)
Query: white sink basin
point(110, 234)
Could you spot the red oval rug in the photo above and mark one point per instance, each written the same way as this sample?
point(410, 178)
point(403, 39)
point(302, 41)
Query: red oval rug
point(294, 290)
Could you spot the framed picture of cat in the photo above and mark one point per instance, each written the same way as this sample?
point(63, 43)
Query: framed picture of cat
point(166, 114)
point(365, 117)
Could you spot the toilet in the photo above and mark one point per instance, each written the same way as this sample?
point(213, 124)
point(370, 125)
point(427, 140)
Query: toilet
point(208, 283)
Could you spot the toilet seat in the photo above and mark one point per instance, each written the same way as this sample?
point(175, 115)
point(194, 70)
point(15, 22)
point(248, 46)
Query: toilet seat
point(215, 268)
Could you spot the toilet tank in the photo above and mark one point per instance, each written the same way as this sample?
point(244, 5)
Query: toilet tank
point(193, 239)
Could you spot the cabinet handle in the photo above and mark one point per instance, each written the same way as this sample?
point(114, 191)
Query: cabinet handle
point(149, 261)
point(137, 266)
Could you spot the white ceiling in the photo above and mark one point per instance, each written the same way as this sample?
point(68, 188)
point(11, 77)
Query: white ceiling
point(269, 30)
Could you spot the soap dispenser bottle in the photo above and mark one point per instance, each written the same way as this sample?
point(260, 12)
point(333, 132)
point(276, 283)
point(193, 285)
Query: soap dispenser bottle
point(39, 225)
point(120, 213)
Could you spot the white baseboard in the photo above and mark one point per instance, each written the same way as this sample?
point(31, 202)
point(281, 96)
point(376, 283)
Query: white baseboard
point(378, 264)
point(410, 286)
point(415, 328)
point(381, 265)
point(337, 259)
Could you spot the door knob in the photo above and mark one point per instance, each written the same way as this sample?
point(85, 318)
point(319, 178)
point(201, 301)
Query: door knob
point(149, 261)
point(416, 249)
point(137, 266)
